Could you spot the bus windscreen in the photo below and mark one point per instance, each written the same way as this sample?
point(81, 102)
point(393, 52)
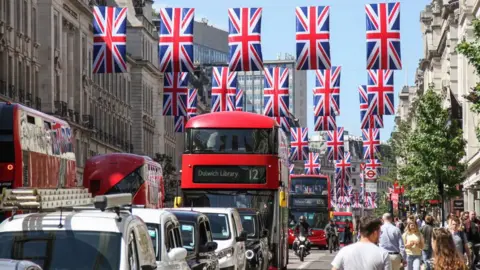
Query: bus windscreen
point(130, 184)
point(309, 186)
point(316, 219)
point(229, 141)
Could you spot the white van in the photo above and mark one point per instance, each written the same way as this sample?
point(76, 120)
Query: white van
point(164, 231)
point(227, 232)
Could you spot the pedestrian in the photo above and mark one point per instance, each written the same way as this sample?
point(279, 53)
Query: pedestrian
point(473, 235)
point(391, 241)
point(414, 243)
point(426, 231)
point(459, 238)
point(347, 232)
point(445, 255)
point(400, 225)
point(365, 254)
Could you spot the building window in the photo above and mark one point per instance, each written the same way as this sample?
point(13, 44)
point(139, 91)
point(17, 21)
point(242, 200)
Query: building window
point(19, 15)
point(25, 17)
point(34, 24)
point(56, 34)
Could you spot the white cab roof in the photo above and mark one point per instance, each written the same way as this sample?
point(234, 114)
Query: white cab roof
point(151, 215)
point(90, 220)
point(214, 210)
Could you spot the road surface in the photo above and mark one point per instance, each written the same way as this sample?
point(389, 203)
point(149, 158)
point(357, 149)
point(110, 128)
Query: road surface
point(318, 260)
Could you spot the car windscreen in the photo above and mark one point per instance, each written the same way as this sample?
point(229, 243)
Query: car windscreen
point(250, 224)
point(155, 236)
point(187, 230)
point(219, 226)
point(63, 249)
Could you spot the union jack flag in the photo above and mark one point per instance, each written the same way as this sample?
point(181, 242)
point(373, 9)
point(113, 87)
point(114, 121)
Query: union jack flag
point(180, 123)
point(224, 89)
point(244, 39)
point(380, 92)
point(355, 199)
point(239, 100)
point(324, 123)
point(383, 36)
point(342, 177)
point(109, 40)
point(367, 120)
point(326, 94)
point(312, 164)
point(299, 143)
point(176, 39)
point(291, 168)
point(192, 103)
point(371, 142)
point(313, 38)
point(275, 94)
point(371, 199)
point(175, 92)
point(335, 146)
point(373, 164)
point(283, 122)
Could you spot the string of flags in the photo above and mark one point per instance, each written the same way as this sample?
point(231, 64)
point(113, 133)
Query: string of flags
point(176, 54)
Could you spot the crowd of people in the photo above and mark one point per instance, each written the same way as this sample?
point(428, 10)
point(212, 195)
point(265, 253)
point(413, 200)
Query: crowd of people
point(414, 243)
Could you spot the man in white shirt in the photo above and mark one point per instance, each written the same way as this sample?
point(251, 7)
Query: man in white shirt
point(364, 254)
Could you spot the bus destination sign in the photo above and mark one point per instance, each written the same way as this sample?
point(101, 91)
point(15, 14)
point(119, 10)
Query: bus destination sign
point(319, 202)
point(230, 174)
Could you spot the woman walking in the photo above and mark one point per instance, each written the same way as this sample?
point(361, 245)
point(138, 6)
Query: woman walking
point(445, 255)
point(414, 244)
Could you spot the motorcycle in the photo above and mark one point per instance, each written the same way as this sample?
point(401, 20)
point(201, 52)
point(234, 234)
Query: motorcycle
point(301, 246)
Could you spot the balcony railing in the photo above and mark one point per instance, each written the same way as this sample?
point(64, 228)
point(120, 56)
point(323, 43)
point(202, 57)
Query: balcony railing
point(87, 121)
point(100, 134)
point(3, 88)
point(60, 108)
point(28, 100)
point(21, 96)
point(12, 91)
point(38, 103)
point(77, 117)
point(131, 148)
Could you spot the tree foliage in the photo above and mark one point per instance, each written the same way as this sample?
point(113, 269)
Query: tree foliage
point(431, 149)
point(167, 165)
point(382, 205)
point(471, 51)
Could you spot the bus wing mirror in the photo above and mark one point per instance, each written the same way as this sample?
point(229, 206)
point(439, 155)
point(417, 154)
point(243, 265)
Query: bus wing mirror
point(177, 202)
point(283, 199)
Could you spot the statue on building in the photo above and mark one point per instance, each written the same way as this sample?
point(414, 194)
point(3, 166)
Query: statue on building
point(437, 6)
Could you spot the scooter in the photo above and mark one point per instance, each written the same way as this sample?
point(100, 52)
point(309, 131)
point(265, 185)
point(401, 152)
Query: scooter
point(301, 246)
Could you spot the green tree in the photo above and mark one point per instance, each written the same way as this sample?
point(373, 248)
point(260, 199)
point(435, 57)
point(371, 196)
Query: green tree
point(431, 151)
point(471, 50)
point(169, 171)
point(382, 205)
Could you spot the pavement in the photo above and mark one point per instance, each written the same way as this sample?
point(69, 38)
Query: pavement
point(317, 260)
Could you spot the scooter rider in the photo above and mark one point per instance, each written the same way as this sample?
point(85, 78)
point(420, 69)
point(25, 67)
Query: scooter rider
point(302, 229)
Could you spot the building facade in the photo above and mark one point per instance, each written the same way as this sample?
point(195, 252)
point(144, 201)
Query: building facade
point(51, 71)
point(443, 25)
point(252, 82)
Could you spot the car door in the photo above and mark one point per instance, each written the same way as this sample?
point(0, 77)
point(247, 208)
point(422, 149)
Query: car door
point(239, 246)
point(173, 240)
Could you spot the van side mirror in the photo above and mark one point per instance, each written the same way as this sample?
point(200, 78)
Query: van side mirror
point(242, 237)
point(177, 254)
point(264, 233)
point(209, 247)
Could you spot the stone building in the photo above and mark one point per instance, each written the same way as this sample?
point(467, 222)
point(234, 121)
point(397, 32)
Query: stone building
point(52, 71)
point(443, 25)
point(19, 52)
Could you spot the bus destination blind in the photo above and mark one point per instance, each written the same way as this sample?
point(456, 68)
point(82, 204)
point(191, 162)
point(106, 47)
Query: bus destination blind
point(319, 202)
point(230, 174)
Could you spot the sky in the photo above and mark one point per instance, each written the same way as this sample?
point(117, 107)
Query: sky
point(347, 42)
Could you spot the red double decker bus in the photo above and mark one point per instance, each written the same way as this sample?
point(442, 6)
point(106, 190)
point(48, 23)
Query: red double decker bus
point(239, 159)
point(310, 197)
point(126, 173)
point(36, 149)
